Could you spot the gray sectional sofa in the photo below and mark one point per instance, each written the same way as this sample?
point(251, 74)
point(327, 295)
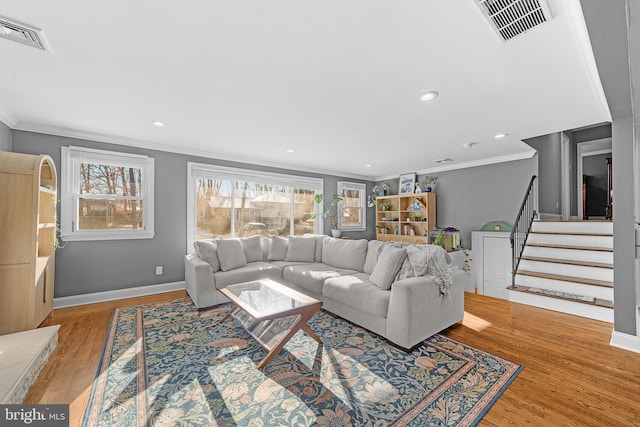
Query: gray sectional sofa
point(404, 293)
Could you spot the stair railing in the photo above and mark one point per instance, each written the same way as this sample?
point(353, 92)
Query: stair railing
point(521, 227)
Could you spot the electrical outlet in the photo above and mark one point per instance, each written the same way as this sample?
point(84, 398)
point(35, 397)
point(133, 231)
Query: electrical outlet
point(158, 270)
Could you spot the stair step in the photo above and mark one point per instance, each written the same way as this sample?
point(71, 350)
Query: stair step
point(569, 262)
point(559, 295)
point(573, 247)
point(573, 279)
point(595, 226)
point(573, 233)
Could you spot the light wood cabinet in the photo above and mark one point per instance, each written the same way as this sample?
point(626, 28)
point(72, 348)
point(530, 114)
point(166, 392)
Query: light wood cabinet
point(408, 218)
point(28, 187)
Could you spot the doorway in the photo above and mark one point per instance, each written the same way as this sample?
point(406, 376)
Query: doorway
point(592, 178)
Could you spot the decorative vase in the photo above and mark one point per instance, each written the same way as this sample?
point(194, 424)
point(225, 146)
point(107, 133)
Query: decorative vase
point(428, 189)
point(382, 192)
point(336, 233)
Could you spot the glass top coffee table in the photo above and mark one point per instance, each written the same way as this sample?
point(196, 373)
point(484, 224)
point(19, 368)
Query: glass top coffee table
point(271, 312)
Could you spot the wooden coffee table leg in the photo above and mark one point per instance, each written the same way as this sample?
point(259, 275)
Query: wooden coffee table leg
point(283, 340)
point(310, 332)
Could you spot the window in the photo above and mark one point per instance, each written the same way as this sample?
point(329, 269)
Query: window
point(228, 202)
point(353, 213)
point(106, 195)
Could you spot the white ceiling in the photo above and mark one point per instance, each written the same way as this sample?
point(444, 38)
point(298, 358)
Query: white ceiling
point(338, 81)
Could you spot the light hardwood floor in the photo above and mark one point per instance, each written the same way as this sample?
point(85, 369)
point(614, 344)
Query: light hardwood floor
point(572, 377)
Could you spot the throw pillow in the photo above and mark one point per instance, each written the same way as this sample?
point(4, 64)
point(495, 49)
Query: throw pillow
point(252, 248)
point(301, 249)
point(207, 250)
point(278, 249)
point(231, 254)
point(372, 256)
point(389, 262)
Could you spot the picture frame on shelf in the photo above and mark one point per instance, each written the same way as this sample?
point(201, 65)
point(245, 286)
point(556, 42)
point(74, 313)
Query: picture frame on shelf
point(407, 183)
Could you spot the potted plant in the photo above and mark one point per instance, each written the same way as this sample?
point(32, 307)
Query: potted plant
point(329, 211)
point(382, 189)
point(429, 183)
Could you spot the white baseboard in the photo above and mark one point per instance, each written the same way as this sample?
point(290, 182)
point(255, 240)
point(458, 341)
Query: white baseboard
point(625, 341)
point(71, 301)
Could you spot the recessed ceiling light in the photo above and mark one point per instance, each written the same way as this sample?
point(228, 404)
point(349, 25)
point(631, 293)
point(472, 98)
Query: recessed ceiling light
point(446, 159)
point(469, 144)
point(291, 150)
point(157, 123)
point(368, 166)
point(429, 96)
point(500, 135)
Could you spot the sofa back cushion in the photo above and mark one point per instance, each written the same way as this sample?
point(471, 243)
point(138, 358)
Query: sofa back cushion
point(319, 243)
point(207, 250)
point(231, 254)
point(344, 253)
point(372, 256)
point(387, 267)
point(301, 249)
point(278, 249)
point(252, 248)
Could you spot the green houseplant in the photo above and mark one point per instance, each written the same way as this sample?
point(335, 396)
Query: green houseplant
point(330, 210)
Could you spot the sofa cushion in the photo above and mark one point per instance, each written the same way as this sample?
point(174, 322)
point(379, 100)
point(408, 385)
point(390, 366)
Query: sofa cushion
point(252, 248)
point(372, 255)
point(387, 267)
point(344, 253)
point(319, 244)
point(207, 250)
point(358, 292)
point(312, 276)
point(278, 249)
point(231, 254)
point(265, 243)
point(301, 249)
point(253, 271)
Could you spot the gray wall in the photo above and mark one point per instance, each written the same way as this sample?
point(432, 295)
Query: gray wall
point(85, 267)
point(607, 27)
point(5, 137)
point(624, 291)
point(549, 172)
point(469, 198)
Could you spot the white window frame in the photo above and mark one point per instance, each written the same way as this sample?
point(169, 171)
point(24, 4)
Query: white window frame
point(70, 192)
point(203, 170)
point(362, 188)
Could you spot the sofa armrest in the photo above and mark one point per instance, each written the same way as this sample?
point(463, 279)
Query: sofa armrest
point(199, 281)
point(417, 310)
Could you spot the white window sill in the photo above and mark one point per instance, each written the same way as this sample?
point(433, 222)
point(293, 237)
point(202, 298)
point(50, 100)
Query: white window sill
point(106, 235)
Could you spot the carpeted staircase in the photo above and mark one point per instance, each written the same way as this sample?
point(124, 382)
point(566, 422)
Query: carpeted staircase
point(567, 266)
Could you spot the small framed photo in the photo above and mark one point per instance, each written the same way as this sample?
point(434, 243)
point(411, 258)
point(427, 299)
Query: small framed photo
point(407, 183)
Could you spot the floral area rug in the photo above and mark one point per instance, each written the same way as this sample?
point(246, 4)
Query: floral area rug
point(167, 364)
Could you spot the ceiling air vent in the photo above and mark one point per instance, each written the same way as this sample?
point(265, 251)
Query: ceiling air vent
point(510, 18)
point(21, 33)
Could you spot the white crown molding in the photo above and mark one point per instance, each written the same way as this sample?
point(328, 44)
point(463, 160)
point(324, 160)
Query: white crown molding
point(625, 341)
point(7, 118)
point(471, 164)
point(130, 142)
point(92, 298)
